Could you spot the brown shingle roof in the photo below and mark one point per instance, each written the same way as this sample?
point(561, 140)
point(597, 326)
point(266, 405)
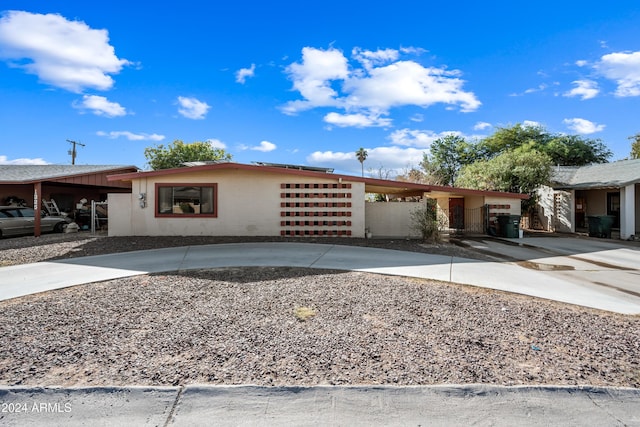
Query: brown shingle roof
point(24, 174)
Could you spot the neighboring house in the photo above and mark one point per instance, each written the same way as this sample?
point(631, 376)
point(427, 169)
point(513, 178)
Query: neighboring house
point(600, 189)
point(67, 185)
point(232, 199)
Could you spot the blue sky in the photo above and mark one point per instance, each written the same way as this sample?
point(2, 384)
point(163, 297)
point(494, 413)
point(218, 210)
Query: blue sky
point(309, 83)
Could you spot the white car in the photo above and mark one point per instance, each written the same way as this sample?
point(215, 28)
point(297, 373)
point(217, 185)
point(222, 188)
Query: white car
point(19, 220)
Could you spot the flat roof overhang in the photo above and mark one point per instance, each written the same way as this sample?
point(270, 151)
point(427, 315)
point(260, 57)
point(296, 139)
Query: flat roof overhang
point(372, 185)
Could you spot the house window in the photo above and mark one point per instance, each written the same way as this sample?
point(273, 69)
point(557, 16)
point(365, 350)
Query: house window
point(186, 200)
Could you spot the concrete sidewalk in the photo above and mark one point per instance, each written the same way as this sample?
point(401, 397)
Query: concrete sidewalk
point(481, 405)
point(27, 279)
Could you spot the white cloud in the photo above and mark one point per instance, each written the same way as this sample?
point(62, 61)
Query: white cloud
point(62, 53)
point(407, 83)
point(624, 69)
point(265, 147)
point(582, 126)
point(131, 136)
point(100, 106)
point(532, 124)
point(581, 63)
point(413, 50)
point(23, 161)
point(417, 138)
point(369, 58)
point(243, 73)
point(394, 159)
point(382, 82)
point(330, 156)
point(540, 88)
point(482, 126)
point(191, 108)
point(313, 77)
point(216, 143)
point(585, 89)
point(358, 120)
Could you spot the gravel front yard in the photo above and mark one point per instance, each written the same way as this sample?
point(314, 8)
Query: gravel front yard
point(240, 326)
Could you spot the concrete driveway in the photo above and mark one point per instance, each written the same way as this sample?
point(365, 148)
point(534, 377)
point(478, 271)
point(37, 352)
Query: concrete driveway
point(617, 288)
point(604, 265)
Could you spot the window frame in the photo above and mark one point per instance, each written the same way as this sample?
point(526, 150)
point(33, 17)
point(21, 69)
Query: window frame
point(159, 185)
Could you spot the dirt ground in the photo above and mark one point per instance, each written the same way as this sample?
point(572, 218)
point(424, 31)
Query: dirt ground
point(244, 326)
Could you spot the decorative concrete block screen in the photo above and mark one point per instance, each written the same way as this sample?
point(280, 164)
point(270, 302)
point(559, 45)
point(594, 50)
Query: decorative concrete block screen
point(315, 209)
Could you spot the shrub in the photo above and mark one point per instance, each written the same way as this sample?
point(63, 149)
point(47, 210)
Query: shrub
point(428, 221)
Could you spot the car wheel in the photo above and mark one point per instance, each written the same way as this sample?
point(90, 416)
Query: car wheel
point(59, 227)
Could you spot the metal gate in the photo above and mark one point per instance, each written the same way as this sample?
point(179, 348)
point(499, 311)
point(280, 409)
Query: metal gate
point(463, 220)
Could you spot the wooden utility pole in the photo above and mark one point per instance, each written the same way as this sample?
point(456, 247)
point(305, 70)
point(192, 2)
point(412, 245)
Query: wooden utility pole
point(73, 150)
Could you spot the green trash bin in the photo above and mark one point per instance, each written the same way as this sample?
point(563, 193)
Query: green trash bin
point(509, 226)
point(600, 225)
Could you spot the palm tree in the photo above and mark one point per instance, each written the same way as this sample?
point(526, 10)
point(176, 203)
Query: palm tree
point(361, 154)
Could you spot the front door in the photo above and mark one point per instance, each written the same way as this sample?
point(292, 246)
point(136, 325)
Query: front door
point(613, 208)
point(456, 213)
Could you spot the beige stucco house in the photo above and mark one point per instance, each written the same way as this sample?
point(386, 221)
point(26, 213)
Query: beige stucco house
point(601, 189)
point(232, 199)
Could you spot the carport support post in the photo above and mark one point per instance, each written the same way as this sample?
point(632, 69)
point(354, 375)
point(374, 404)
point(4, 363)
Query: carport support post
point(627, 211)
point(572, 208)
point(37, 193)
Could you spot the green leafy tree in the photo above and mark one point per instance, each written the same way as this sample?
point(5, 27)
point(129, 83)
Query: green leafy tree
point(517, 171)
point(510, 138)
point(447, 156)
point(635, 146)
point(573, 150)
point(565, 150)
point(176, 154)
point(515, 158)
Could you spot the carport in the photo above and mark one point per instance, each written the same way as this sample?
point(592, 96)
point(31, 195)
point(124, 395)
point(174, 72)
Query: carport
point(465, 210)
point(30, 185)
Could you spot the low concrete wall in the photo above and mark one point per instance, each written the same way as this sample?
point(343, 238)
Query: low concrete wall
point(544, 207)
point(120, 214)
point(390, 220)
